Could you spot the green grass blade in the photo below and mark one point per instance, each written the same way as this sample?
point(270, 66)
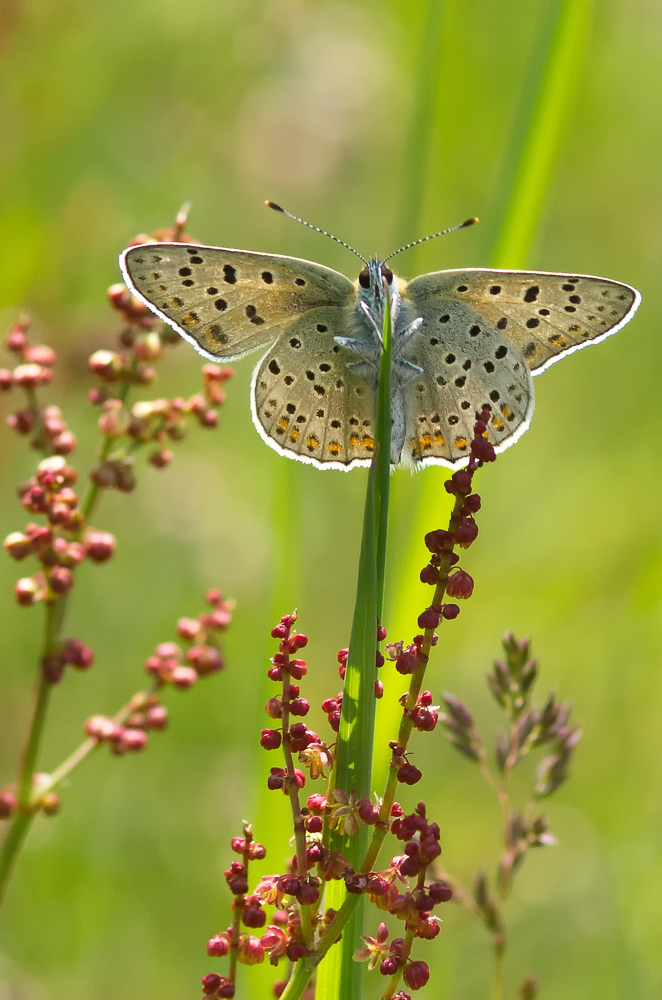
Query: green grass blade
point(339, 975)
point(528, 166)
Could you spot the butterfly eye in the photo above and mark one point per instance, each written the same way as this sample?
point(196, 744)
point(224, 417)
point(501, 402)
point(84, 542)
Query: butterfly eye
point(387, 273)
point(364, 278)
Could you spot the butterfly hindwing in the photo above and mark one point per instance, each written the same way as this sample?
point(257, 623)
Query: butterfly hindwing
point(228, 303)
point(307, 403)
point(468, 365)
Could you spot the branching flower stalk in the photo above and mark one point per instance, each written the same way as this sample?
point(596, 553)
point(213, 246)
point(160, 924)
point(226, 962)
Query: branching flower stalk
point(67, 538)
point(511, 683)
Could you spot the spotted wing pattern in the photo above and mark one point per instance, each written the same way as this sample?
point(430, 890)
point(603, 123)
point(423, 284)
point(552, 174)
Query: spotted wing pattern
point(228, 303)
point(307, 403)
point(485, 332)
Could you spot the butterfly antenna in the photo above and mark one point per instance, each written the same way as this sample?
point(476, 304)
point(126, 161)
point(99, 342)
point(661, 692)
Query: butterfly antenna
point(442, 232)
point(277, 208)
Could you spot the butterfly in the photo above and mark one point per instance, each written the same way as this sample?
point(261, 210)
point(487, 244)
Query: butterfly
point(463, 340)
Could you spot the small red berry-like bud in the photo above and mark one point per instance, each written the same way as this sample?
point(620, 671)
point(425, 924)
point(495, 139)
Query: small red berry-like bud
point(77, 653)
point(460, 585)
point(50, 804)
point(367, 811)
point(61, 580)
point(316, 803)
point(296, 950)
point(307, 894)
point(8, 803)
point(275, 779)
point(99, 545)
point(104, 474)
point(237, 883)
point(299, 640)
point(280, 631)
point(204, 660)
point(134, 739)
point(388, 966)
point(254, 916)
point(466, 533)
point(440, 892)
point(410, 867)
point(409, 774)
point(6, 379)
point(209, 418)
point(156, 717)
point(314, 824)
point(64, 443)
point(184, 677)
point(430, 574)
point(30, 376)
point(483, 450)
point(437, 541)
point(211, 983)
point(18, 545)
point(188, 628)
point(416, 975)
point(461, 481)
point(40, 354)
point(106, 365)
point(16, 340)
point(161, 458)
point(357, 883)
point(428, 619)
point(148, 347)
point(299, 707)
point(450, 611)
point(271, 739)
point(218, 946)
point(407, 663)
point(381, 633)
point(471, 505)
point(274, 708)
point(379, 689)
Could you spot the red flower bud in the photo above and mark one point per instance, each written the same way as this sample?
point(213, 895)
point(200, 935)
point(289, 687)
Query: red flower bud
point(460, 585)
point(99, 545)
point(416, 975)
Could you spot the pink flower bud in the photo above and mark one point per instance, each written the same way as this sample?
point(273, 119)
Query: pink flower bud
point(134, 739)
point(161, 458)
point(18, 545)
point(204, 660)
point(61, 580)
point(416, 975)
point(22, 421)
point(188, 628)
point(114, 421)
point(428, 619)
point(8, 803)
point(211, 983)
point(409, 774)
point(106, 365)
point(40, 354)
point(148, 347)
point(99, 545)
point(209, 418)
point(16, 340)
point(183, 677)
point(271, 739)
point(77, 653)
point(30, 376)
point(27, 591)
point(157, 717)
point(218, 946)
point(6, 379)
point(64, 443)
point(460, 585)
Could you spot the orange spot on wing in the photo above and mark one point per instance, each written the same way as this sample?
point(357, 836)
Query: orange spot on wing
point(439, 440)
point(369, 443)
point(426, 442)
point(294, 434)
point(312, 443)
point(190, 319)
point(335, 448)
point(461, 443)
point(354, 440)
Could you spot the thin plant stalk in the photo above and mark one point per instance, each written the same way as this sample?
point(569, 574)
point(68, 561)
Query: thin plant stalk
point(339, 975)
point(55, 614)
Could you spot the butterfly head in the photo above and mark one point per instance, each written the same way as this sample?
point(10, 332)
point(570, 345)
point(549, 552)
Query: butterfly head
point(371, 284)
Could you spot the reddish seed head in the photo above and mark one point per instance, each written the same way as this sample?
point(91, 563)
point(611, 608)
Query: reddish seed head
point(299, 707)
point(461, 481)
point(99, 545)
point(307, 894)
point(440, 892)
point(61, 580)
point(18, 545)
point(409, 774)
point(316, 803)
point(280, 631)
point(254, 916)
point(407, 663)
point(460, 585)
point(430, 575)
point(211, 983)
point(437, 541)
point(428, 619)
point(314, 824)
point(298, 641)
point(388, 966)
point(204, 660)
point(271, 739)
point(274, 708)
point(416, 975)
point(8, 803)
point(184, 677)
point(296, 950)
point(218, 946)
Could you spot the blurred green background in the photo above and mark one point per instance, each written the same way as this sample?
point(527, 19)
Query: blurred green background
point(381, 122)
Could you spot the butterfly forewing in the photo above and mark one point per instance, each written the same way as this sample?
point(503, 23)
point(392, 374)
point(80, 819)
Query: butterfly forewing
point(307, 402)
point(544, 315)
point(229, 302)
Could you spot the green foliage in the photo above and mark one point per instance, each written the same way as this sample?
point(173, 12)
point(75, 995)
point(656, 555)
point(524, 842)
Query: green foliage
point(112, 116)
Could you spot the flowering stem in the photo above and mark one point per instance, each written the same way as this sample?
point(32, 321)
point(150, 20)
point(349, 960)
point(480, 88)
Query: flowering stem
point(293, 792)
point(91, 498)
